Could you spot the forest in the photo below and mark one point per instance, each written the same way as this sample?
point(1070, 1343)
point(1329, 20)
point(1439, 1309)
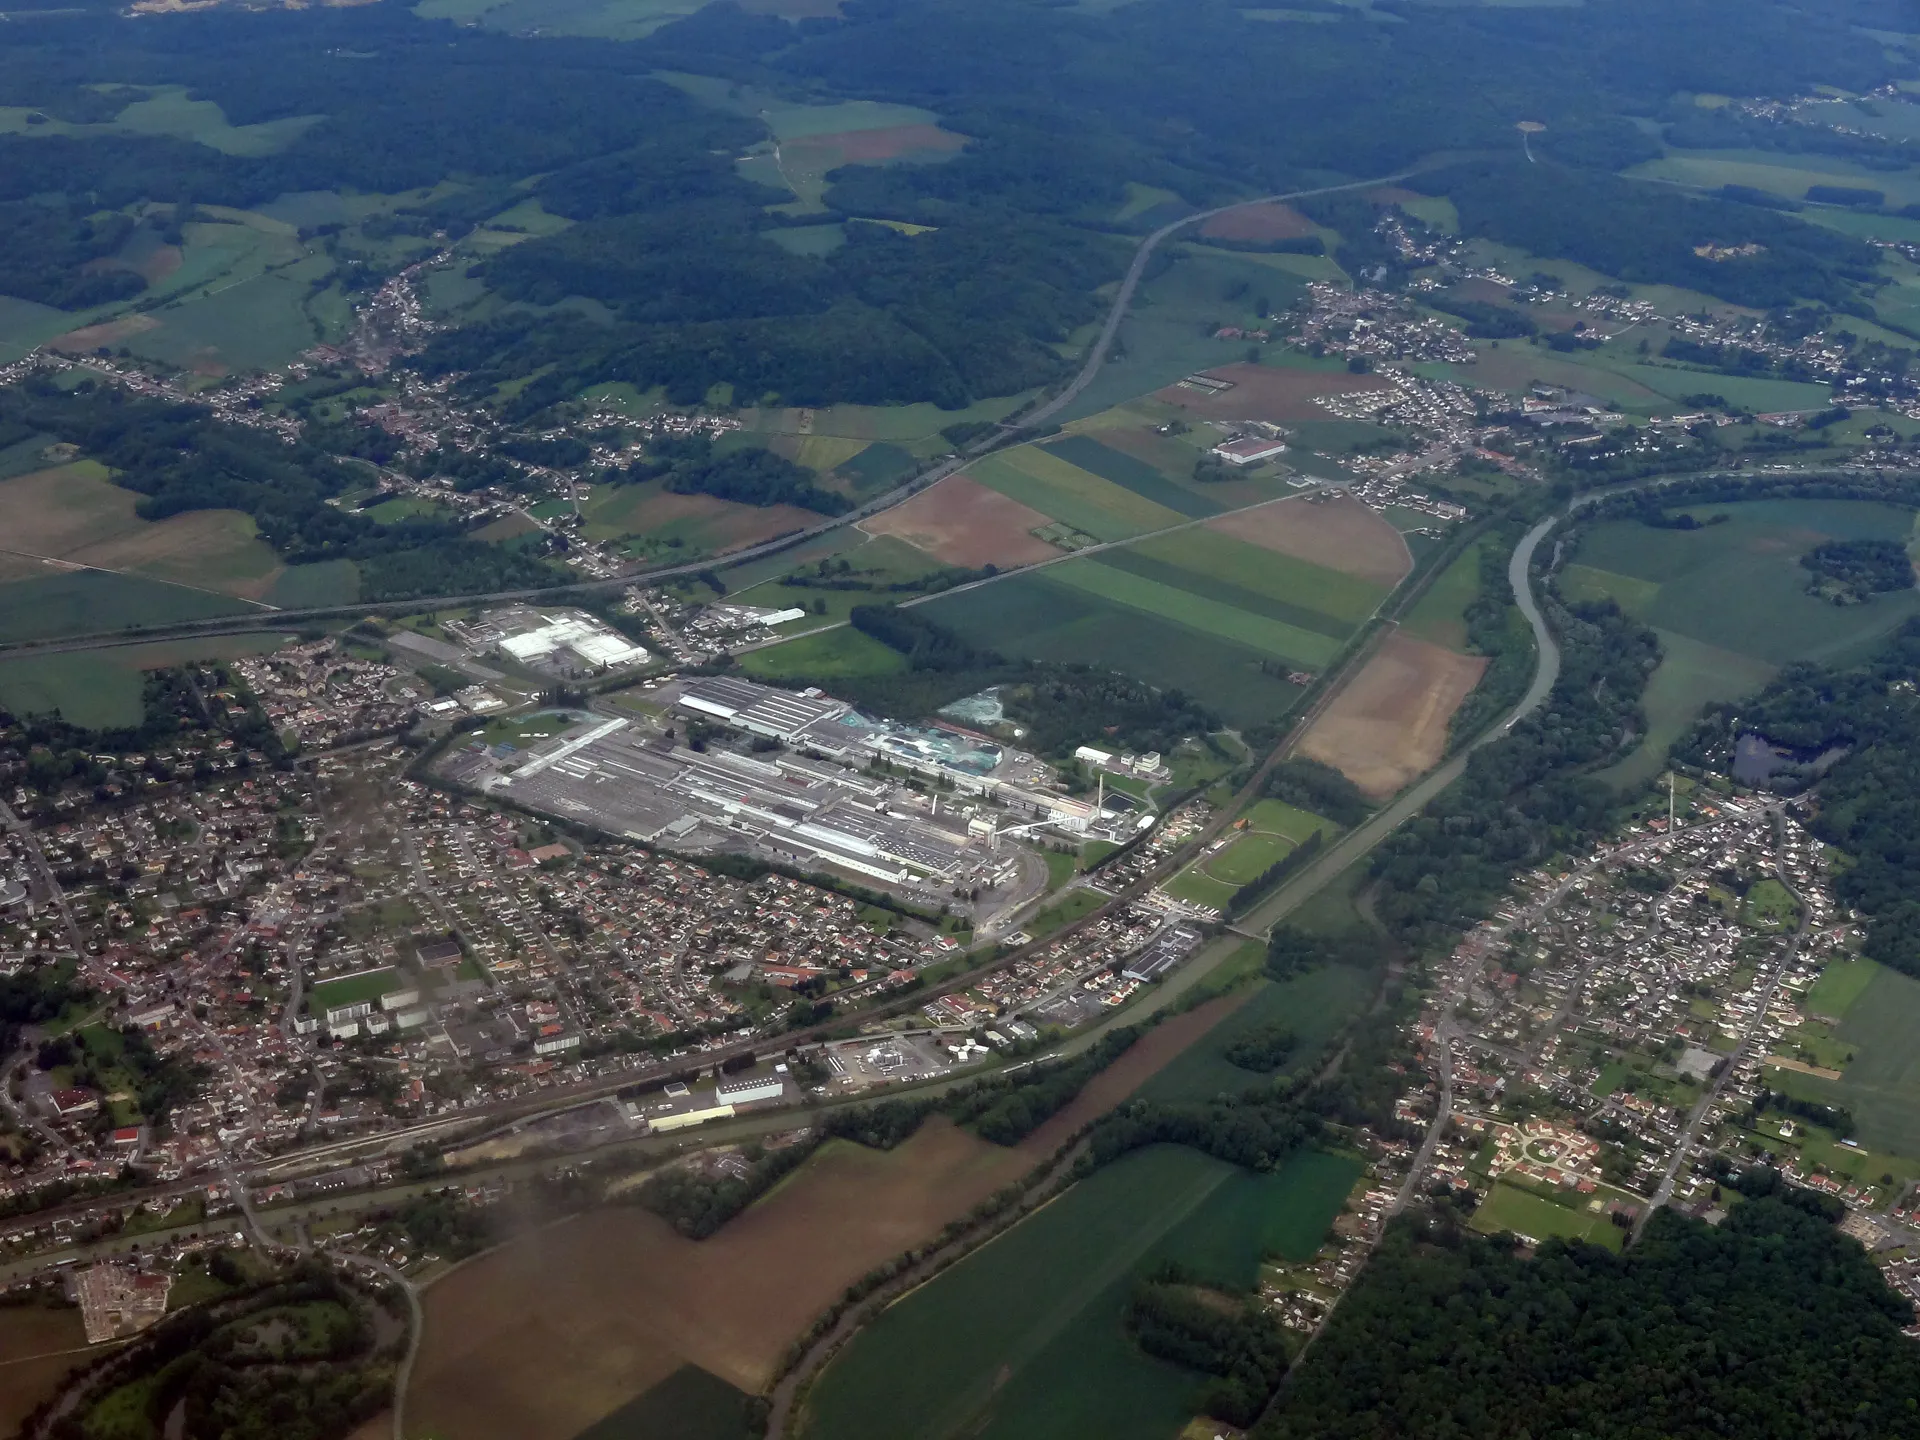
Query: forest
point(1868, 802)
point(689, 465)
point(1231, 1337)
point(1772, 1325)
point(1851, 572)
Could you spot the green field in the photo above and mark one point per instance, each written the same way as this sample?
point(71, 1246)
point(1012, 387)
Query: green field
point(1248, 858)
point(101, 688)
point(1220, 619)
point(1839, 985)
point(1314, 1005)
point(330, 994)
point(1273, 829)
point(1033, 616)
point(1166, 334)
point(1262, 580)
point(1063, 491)
point(1023, 1340)
point(1507, 1207)
point(1729, 602)
point(1440, 614)
point(825, 654)
point(80, 602)
point(324, 582)
point(1131, 474)
point(1882, 1085)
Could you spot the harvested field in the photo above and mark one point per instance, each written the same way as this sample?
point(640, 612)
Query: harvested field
point(617, 1301)
point(1338, 532)
point(108, 332)
point(1259, 222)
point(962, 522)
point(1389, 723)
point(874, 147)
point(39, 1347)
point(1268, 392)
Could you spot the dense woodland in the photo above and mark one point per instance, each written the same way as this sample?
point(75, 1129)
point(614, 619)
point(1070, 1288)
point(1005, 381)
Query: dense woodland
point(678, 249)
point(1772, 1325)
point(689, 465)
point(1850, 572)
point(1868, 802)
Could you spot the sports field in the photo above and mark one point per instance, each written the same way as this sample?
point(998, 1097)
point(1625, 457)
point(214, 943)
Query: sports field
point(352, 989)
point(1388, 724)
point(1273, 829)
point(1729, 601)
point(1314, 1005)
point(1507, 1207)
point(1024, 1339)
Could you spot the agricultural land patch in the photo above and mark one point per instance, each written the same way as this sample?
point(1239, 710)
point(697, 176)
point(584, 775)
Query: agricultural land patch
point(962, 522)
point(1267, 392)
point(1389, 723)
point(1330, 530)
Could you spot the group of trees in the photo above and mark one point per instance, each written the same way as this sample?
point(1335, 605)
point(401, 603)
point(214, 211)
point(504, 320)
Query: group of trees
point(1231, 1337)
point(689, 465)
point(1694, 1334)
point(1319, 788)
point(1850, 572)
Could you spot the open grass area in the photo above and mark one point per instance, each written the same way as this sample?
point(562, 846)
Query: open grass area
point(79, 602)
point(1068, 909)
point(824, 655)
point(1440, 614)
point(1164, 337)
point(1314, 1005)
point(1024, 1339)
point(1293, 588)
point(1507, 1207)
point(1839, 986)
point(1034, 616)
point(1054, 486)
point(101, 688)
point(1730, 601)
point(1880, 1016)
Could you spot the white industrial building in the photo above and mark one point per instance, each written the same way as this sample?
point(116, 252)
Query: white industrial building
point(581, 636)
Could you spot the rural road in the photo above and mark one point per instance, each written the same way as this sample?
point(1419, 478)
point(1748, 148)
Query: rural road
point(266, 619)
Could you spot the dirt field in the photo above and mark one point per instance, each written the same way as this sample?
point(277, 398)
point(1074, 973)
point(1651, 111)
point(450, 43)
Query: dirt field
point(1267, 392)
point(1390, 722)
point(870, 147)
point(541, 1338)
point(1339, 533)
point(35, 1355)
point(1259, 222)
point(112, 332)
point(962, 522)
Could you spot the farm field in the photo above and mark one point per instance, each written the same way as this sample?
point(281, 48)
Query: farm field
point(1440, 614)
point(32, 1341)
point(1281, 391)
point(961, 522)
point(823, 655)
point(1729, 601)
point(1388, 724)
point(620, 1302)
point(702, 524)
point(1326, 529)
point(1058, 488)
point(1037, 617)
point(1024, 1338)
point(1314, 1005)
point(99, 689)
point(1882, 1085)
point(1260, 222)
point(73, 513)
point(1163, 337)
point(1839, 986)
point(79, 602)
point(1507, 1207)
point(1766, 171)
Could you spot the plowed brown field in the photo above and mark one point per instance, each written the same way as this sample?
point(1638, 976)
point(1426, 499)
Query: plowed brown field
point(962, 522)
point(546, 1335)
point(1389, 723)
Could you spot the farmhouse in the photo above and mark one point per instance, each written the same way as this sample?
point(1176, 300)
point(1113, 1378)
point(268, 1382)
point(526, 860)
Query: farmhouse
point(1248, 450)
